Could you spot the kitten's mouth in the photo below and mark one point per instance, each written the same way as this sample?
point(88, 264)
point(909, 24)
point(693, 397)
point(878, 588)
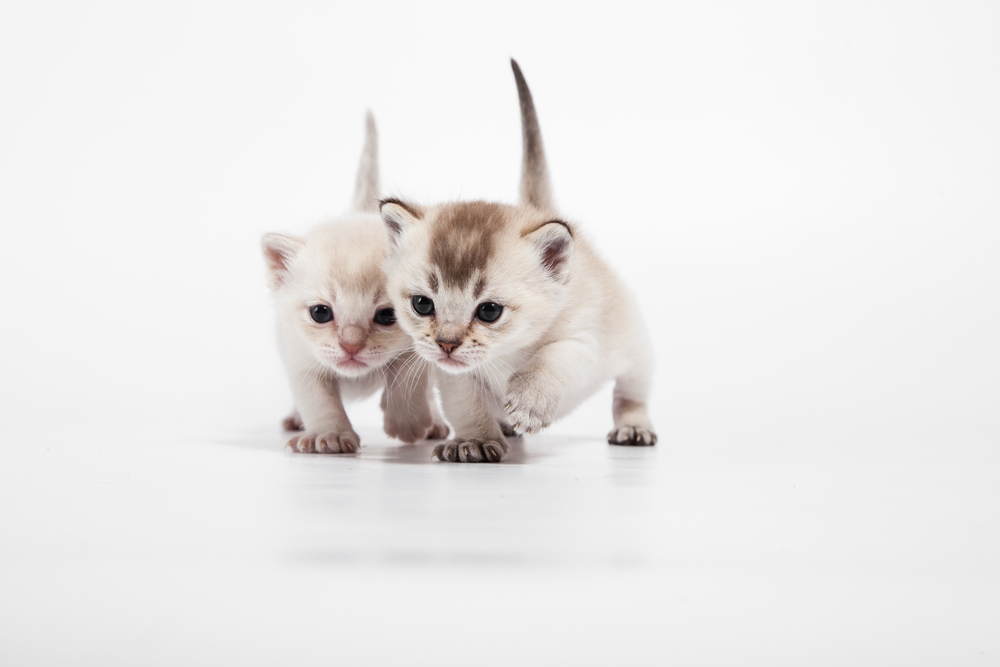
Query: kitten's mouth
point(351, 364)
point(450, 362)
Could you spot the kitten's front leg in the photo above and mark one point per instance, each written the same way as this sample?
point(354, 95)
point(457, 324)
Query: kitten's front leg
point(327, 428)
point(534, 391)
point(471, 408)
point(407, 401)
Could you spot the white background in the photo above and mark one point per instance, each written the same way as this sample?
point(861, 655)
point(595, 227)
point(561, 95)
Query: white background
point(803, 197)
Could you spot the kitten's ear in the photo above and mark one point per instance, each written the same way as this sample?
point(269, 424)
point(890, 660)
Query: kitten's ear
point(278, 252)
point(554, 243)
point(398, 217)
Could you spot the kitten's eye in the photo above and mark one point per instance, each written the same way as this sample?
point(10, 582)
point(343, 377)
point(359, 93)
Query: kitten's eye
point(423, 305)
point(386, 317)
point(489, 311)
point(321, 314)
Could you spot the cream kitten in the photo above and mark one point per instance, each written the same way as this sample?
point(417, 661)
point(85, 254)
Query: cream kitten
point(517, 312)
point(337, 330)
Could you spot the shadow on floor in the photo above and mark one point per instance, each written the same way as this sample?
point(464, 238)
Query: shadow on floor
point(374, 446)
point(421, 453)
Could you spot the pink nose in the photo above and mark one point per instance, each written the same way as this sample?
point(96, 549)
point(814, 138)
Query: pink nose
point(350, 349)
point(447, 347)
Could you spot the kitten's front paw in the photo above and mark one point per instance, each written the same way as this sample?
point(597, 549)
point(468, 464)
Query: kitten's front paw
point(528, 408)
point(325, 443)
point(471, 451)
point(293, 422)
point(635, 436)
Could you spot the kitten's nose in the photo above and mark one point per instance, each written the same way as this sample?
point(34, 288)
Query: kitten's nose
point(350, 349)
point(448, 345)
point(352, 339)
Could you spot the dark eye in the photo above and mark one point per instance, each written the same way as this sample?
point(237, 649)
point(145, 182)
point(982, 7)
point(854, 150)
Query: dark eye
point(489, 311)
point(385, 317)
point(423, 305)
point(321, 314)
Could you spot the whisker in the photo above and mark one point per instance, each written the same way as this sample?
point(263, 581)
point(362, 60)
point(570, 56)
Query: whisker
point(402, 374)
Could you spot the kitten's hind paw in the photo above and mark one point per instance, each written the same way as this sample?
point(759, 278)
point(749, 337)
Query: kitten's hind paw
point(325, 443)
point(407, 427)
point(635, 436)
point(293, 422)
point(438, 432)
point(471, 451)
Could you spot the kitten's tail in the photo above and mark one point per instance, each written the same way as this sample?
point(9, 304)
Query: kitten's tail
point(366, 187)
point(535, 187)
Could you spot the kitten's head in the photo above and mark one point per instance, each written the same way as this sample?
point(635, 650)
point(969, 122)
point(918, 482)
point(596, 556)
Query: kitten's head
point(331, 293)
point(474, 281)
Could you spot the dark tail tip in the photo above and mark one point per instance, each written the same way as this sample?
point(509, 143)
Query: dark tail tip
point(522, 85)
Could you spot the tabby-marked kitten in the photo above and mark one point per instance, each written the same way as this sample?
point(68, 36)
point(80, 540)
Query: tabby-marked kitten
point(517, 312)
point(337, 329)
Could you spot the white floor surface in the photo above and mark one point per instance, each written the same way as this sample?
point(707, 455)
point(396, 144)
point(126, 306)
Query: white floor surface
point(231, 551)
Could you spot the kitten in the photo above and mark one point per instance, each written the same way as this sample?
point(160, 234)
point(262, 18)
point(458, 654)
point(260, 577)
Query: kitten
point(337, 330)
point(517, 312)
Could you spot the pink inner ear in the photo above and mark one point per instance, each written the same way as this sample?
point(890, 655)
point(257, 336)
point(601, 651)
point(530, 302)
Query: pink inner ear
point(554, 254)
point(276, 261)
point(278, 253)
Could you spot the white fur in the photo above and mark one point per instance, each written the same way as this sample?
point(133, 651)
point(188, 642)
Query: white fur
point(557, 341)
point(568, 325)
point(339, 265)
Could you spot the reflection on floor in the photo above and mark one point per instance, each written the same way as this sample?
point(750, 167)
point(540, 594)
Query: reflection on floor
point(119, 548)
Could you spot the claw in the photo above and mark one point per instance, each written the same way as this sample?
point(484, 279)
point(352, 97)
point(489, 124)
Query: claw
point(325, 443)
point(470, 451)
point(634, 436)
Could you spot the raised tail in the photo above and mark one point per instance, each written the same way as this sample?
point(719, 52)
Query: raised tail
point(366, 187)
point(535, 187)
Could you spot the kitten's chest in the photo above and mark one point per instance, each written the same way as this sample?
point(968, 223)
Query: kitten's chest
point(357, 388)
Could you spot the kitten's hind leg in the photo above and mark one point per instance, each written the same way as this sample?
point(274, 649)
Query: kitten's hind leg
point(411, 412)
point(440, 430)
point(632, 424)
point(293, 422)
